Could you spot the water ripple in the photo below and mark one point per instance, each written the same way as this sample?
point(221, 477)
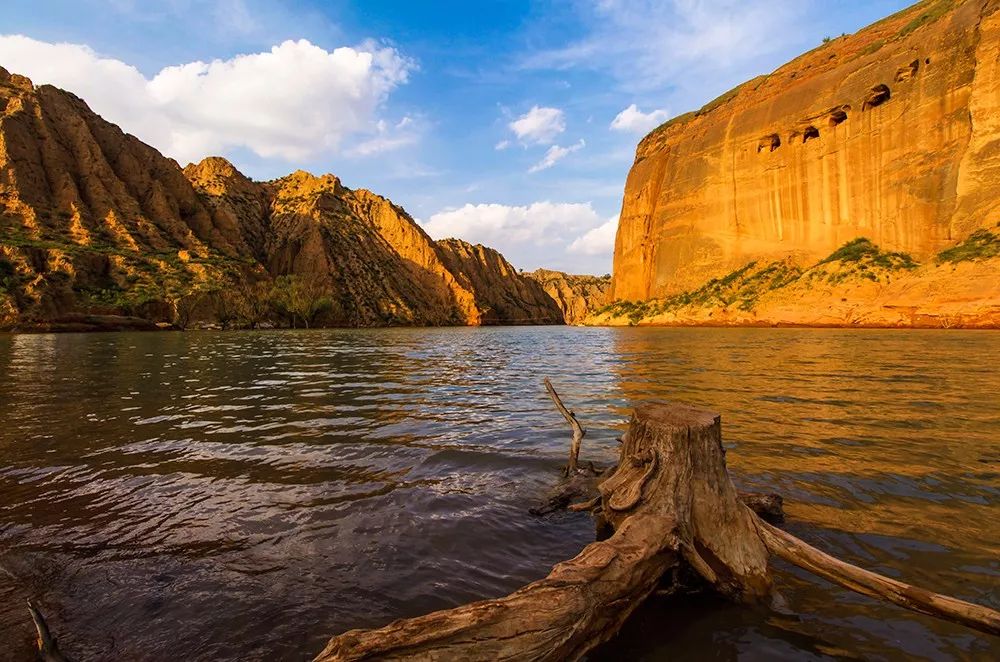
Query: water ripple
point(214, 496)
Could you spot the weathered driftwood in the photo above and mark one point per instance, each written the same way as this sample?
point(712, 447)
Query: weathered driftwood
point(48, 648)
point(669, 499)
point(809, 558)
point(669, 506)
point(578, 431)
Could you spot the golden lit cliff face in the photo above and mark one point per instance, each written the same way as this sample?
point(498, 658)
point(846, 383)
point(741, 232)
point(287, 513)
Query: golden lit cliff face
point(890, 133)
point(94, 220)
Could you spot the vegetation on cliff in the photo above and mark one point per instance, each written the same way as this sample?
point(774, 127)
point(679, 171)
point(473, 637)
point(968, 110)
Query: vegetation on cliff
point(95, 222)
point(888, 133)
point(854, 267)
point(980, 245)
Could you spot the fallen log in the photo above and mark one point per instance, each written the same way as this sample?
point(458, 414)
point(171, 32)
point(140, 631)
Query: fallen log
point(669, 499)
point(669, 506)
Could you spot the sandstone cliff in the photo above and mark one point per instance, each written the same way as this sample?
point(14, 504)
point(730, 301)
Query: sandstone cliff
point(891, 133)
point(510, 299)
point(858, 285)
point(94, 222)
point(577, 296)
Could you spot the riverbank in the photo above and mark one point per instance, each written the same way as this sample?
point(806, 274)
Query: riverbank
point(858, 286)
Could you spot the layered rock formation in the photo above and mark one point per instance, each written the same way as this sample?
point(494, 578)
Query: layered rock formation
point(92, 220)
point(892, 133)
point(510, 299)
point(577, 296)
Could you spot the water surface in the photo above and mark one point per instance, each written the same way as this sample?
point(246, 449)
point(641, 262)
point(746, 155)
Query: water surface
point(212, 496)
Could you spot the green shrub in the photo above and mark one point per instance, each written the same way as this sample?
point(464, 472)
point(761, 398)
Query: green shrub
point(935, 11)
point(863, 251)
point(979, 245)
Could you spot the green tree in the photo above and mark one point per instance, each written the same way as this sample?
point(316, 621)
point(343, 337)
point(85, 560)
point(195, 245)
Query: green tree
point(300, 298)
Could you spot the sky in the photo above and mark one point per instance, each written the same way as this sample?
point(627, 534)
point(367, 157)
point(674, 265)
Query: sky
point(509, 123)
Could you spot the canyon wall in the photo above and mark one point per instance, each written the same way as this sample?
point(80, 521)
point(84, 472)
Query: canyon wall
point(892, 133)
point(95, 222)
point(577, 295)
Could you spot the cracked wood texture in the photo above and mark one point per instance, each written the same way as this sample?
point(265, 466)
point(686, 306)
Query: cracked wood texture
point(670, 499)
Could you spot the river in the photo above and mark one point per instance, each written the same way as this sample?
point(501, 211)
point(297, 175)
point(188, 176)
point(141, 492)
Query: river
point(246, 495)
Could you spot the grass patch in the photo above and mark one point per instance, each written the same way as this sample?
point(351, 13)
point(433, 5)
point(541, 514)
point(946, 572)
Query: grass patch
point(980, 245)
point(873, 47)
point(742, 287)
point(935, 11)
point(863, 251)
point(753, 83)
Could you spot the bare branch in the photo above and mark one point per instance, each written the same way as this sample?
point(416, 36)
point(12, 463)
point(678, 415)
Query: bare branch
point(48, 649)
point(578, 431)
point(807, 557)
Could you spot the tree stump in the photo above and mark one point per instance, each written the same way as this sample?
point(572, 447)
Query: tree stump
point(669, 501)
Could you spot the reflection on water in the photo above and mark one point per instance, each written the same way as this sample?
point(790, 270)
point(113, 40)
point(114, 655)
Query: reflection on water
point(246, 495)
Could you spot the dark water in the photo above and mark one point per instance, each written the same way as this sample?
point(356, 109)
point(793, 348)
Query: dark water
point(213, 496)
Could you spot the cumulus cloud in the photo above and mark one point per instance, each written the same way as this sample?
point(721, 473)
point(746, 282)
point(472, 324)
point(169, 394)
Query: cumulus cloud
point(539, 126)
point(598, 241)
point(293, 102)
point(555, 154)
point(502, 145)
point(494, 224)
point(530, 236)
point(634, 120)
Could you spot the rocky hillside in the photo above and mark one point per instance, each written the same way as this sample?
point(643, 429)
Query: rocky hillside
point(857, 285)
point(510, 299)
point(94, 222)
point(889, 134)
point(577, 296)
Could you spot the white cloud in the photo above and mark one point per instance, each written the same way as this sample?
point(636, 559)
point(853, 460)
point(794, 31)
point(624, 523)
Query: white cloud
point(502, 145)
point(598, 241)
point(294, 102)
point(530, 236)
point(555, 154)
point(634, 120)
point(539, 126)
point(495, 225)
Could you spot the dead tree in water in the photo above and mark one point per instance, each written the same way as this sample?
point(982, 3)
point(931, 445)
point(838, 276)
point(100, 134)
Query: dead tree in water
point(671, 504)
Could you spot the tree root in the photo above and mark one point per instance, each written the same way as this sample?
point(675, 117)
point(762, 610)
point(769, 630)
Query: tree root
point(667, 509)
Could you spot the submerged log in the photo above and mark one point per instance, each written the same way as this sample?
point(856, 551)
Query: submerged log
point(669, 500)
point(807, 557)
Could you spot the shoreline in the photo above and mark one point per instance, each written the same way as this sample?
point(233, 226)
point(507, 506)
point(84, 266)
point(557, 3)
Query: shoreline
point(61, 329)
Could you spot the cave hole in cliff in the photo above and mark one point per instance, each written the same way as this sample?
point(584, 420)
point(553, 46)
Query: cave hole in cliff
point(838, 116)
point(770, 143)
point(877, 96)
point(810, 133)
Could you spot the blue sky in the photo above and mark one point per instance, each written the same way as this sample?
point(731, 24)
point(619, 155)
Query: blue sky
point(507, 123)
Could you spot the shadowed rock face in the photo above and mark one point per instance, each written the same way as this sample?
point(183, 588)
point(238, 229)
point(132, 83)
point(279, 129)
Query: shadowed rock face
point(577, 296)
point(93, 220)
point(890, 134)
point(510, 298)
